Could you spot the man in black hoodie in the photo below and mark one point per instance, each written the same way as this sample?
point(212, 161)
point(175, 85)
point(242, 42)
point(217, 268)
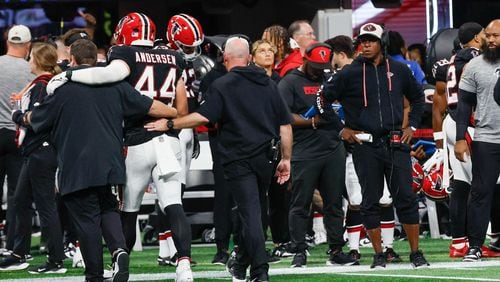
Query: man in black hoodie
point(251, 117)
point(371, 90)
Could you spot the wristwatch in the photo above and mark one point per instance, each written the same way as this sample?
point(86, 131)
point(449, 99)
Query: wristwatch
point(170, 124)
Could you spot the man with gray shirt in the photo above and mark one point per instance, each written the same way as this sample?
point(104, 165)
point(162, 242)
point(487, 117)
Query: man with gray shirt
point(476, 90)
point(15, 76)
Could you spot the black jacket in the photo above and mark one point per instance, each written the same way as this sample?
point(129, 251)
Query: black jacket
point(363, 90)
point(246, 105)
point(32, 141)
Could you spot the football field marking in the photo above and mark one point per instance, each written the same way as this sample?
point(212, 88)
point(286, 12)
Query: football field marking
point(362, 270)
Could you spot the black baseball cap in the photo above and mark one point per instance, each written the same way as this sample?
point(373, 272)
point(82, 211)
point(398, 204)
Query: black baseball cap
point(467, 31)
point(74, 37)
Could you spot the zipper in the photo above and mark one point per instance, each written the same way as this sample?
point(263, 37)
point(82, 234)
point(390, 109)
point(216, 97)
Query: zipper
point(379, 103)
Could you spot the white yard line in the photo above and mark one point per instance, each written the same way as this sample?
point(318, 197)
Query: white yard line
point(362, 270)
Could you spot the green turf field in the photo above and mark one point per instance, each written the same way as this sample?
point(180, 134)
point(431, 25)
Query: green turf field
point(143, 267)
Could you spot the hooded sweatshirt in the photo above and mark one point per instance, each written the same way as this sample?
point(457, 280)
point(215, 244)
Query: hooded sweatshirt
point(249, 111)
point(372, 102)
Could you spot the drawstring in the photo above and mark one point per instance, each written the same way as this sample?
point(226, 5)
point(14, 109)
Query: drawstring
point(389, 75)
point(364, 80)
point(364, 84)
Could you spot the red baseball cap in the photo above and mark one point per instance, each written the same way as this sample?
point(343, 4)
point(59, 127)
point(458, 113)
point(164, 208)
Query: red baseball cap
point(318, 55)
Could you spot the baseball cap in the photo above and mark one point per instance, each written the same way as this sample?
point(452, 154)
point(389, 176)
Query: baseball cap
point(467, 31)
point(19, 34)
point(74, 37)
point(318, 55)
point(371, 29)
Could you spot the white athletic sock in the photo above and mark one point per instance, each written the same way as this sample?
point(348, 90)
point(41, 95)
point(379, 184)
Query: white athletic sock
point(353, 235)
point(164, 250)
point(172, 250)
point(387, 233)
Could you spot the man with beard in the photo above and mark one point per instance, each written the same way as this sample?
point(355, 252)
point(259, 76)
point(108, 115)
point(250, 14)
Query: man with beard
point(317, 159)
point(371, 90)
point(476, 89)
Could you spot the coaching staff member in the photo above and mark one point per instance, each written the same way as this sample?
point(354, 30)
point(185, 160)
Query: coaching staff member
point(371, 90)
point(86, 127)
point(250, 113)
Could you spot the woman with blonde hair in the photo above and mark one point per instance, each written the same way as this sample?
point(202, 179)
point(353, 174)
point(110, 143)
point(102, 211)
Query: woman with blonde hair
point(263, 53)
point(37, 177)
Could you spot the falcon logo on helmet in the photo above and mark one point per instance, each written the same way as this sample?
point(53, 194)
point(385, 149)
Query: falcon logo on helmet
point(417, 174)
point(135, 29)
point(185, 35)
point(432, 186)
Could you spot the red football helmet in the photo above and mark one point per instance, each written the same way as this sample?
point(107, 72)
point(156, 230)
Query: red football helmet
point(135, 29)
point(432, 187)
point(418, 175)
point(184, 34)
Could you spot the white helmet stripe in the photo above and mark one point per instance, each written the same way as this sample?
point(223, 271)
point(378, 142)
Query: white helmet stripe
point(145, 24)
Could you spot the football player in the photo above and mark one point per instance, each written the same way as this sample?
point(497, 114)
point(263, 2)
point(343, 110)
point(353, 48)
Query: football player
point(150, 155)
point(184, 35)
point(471, 36)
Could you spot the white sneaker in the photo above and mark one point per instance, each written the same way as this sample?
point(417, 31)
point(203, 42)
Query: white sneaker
point(78, 259)
point(183, 272)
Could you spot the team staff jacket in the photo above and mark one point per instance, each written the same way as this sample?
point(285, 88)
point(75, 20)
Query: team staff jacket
point(32, 141)
point(299, 93)
point(154, 73)
point(85, 123)
point(246, 105)
point(363, 90)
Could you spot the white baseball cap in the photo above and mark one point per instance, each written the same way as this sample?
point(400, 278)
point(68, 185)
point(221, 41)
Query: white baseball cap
point(372, 29)
point(19, 34)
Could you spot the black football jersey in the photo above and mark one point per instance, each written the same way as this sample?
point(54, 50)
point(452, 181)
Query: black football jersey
point(189, 77)
point(440, 69)
point(154, 73)
point(457, 63)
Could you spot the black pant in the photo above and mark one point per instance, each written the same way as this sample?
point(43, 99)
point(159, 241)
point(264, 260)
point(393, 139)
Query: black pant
point(94, 212)
point(12, 160)
point(249, 180)
point(37, 184)
point(279, 199)
point(485, 171)
point(372, 163)
point(223, 201)
point(328, 176)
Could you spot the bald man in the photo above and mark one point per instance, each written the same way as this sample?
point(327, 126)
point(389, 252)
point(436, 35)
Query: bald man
point(253, 120)
point(476, 89)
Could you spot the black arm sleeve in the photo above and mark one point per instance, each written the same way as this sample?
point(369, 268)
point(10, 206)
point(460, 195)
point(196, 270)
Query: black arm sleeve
point(466, 100)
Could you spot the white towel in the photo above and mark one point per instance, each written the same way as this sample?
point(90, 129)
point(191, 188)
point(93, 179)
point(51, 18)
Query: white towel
point(166, 159)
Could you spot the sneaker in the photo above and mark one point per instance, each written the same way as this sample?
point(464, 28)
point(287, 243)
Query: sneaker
point(69, 250)
point(49, 267)
point(473, 254)
point(355, 254)
point(78, 259)
point(340, 258)
point(13, 262)
point(378, 261)
point(239, 273)
point(220, 258)
point(458, 253)
point(489, 253)
point(231, 261)
point(299, 260)
point(310, 241)
point(494, 246)
point(418, 260)
point(283, 250)
point(260, 278)
point(271, 258)
point(28, 257)
point(167, 261)
point(183, 271)
point(391, 256)
point(120, 266)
